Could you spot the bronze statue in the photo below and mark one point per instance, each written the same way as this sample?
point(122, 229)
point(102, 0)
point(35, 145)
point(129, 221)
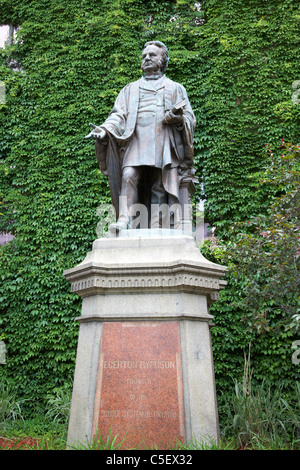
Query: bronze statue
point(145, 146)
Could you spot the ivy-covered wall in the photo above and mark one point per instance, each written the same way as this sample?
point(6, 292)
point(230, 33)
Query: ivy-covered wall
point(238, 66)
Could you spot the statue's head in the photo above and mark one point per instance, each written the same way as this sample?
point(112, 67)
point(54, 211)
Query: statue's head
point(155, 55)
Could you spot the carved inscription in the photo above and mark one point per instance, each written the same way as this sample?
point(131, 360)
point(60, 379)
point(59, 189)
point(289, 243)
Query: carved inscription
point(139, 381)
point(137, 414)
point(139, 389)
point(139, 364)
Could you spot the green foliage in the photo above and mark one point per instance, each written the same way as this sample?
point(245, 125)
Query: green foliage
point(59, 406)
point(252, 52)
point(10, 407)
point(262, 294)
point(260, 417)
point(266, 252)
point(238, 69)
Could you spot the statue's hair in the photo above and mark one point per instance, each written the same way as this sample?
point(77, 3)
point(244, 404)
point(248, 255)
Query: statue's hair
point(165, 53)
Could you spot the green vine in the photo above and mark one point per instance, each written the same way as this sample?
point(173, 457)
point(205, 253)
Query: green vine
point(238, 61)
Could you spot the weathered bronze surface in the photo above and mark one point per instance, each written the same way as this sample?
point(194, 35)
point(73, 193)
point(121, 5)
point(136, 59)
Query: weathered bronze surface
point(145, 146)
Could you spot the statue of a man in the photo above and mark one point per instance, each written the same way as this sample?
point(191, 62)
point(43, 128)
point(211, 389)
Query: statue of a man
point(145, 146)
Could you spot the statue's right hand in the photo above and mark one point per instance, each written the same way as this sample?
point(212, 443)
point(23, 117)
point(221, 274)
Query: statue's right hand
point(96, 133)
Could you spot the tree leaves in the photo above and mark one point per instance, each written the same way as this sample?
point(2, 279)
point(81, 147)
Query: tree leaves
point(266, 252)
point(238, 67)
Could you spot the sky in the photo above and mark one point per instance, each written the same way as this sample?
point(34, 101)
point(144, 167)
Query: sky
point(3, 35)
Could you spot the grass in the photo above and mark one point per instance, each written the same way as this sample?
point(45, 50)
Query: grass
point(54, 438)
point(259, 417)
point(254, 417)
point(45, 431)
point(10, 407)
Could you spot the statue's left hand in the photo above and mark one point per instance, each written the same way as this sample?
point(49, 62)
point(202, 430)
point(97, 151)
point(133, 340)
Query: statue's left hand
point(171, 118)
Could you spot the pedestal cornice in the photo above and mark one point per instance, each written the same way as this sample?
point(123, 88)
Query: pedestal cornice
point(167, 264)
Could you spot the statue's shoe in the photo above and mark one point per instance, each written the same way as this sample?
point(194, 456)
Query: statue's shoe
point(118, 226)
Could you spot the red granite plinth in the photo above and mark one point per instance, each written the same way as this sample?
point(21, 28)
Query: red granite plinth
point(139, 393)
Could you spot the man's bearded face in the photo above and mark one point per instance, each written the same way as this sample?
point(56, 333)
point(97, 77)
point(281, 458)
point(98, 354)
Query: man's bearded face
point(152, 59)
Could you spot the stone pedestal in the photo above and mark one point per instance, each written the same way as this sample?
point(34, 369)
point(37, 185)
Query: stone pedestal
point(144, 367)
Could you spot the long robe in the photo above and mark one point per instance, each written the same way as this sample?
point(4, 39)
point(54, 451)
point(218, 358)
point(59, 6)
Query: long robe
point(133, 142)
